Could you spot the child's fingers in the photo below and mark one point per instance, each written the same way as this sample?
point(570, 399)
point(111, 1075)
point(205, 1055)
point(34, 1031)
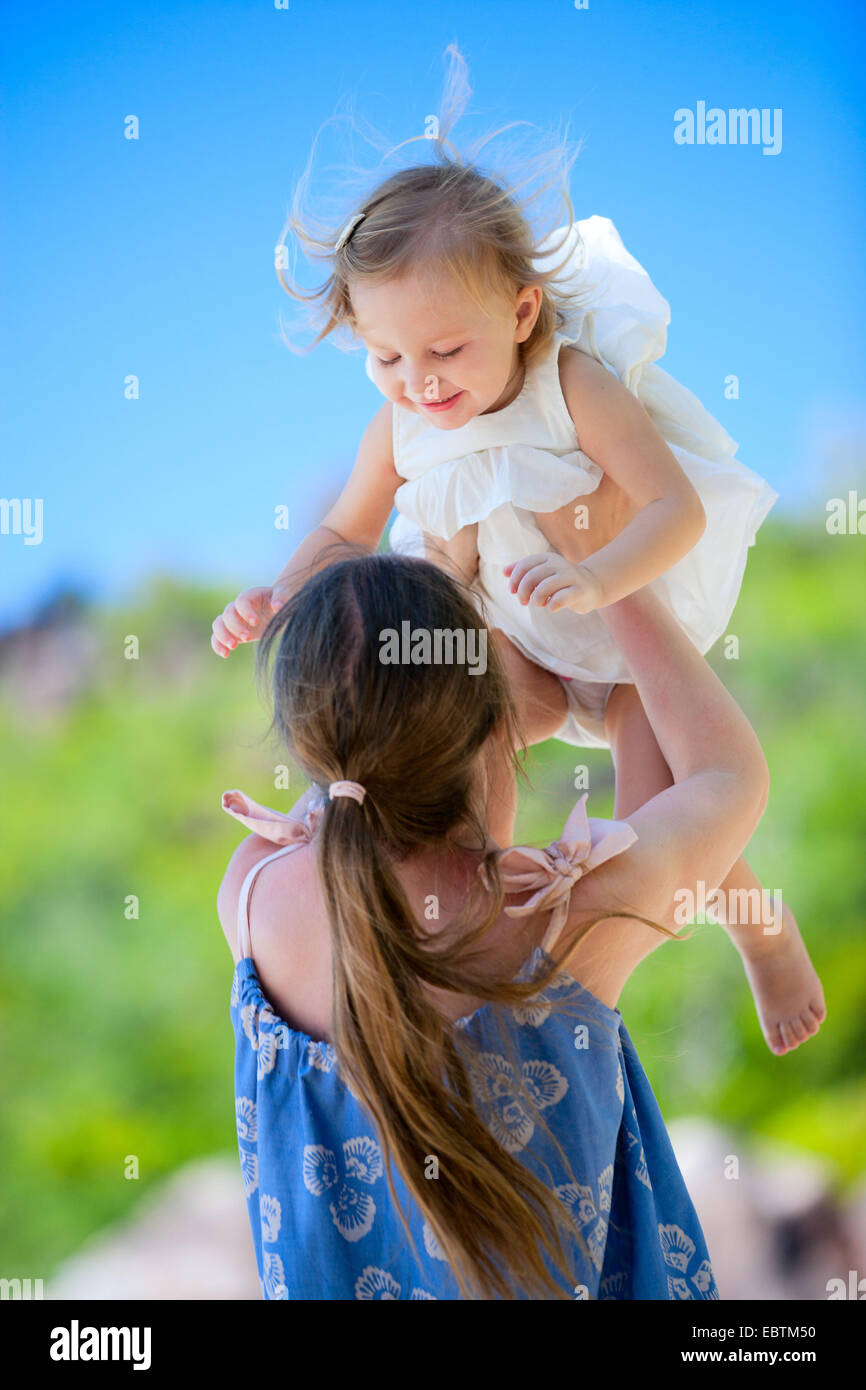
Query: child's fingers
point(250, 603)
point(241, 620)
point(221, 640)
point(237, 624)
point(532, 579)
point(575, 596)
point(518, 568)
point(246, 611)
point(222, 635)
point(563, 598)
point(545, 590)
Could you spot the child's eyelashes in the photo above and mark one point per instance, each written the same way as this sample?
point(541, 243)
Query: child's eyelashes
point(441, 355)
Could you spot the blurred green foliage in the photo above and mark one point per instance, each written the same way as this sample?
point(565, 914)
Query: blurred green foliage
point(115, 1032)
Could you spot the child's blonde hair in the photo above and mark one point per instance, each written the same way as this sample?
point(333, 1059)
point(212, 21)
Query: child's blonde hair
point(450, 216)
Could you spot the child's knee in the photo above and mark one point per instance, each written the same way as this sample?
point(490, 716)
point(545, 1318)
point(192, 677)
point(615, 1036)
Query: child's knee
point(459, 556)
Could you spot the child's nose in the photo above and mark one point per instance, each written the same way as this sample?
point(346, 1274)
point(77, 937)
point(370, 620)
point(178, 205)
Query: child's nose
point(417, 379)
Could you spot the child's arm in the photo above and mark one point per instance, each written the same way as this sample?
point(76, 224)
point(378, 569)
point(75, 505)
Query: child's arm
point(359, 516)
point(616, 432)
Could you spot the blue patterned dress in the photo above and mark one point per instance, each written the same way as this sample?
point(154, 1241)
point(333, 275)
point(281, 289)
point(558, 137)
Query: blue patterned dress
point(323, 1221)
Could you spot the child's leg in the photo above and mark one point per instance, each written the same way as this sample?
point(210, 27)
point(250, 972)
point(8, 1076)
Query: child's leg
point(459, 556)
point(786, 989)
point(538, 694)
point(785, 986)
point(541, 710)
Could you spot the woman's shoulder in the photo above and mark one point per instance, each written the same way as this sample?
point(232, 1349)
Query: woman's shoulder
point(289, 936)
point(277, 882)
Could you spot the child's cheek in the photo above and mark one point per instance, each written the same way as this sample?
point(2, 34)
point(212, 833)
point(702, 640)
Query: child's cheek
point(385, 385)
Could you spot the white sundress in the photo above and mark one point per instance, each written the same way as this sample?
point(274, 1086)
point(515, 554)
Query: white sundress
point(500, 468)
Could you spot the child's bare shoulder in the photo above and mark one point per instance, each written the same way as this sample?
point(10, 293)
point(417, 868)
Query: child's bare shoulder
point(580, 372)
point(596, 399)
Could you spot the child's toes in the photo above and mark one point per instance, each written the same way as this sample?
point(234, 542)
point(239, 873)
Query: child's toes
point(775, 1041)
point(799, 1029)
point(811, 1021)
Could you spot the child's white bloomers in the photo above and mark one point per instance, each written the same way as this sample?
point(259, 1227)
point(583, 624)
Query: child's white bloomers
point(499, 469)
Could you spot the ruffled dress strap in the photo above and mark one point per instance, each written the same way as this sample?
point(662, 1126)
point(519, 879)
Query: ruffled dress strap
point(622, 319)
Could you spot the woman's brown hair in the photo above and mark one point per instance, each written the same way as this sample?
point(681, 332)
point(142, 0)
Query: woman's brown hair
point(413, 736)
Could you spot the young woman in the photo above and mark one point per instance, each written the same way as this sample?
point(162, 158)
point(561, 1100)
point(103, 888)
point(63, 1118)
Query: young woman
point(436, 1093)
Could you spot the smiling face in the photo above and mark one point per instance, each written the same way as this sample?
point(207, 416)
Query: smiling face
point(436, 352)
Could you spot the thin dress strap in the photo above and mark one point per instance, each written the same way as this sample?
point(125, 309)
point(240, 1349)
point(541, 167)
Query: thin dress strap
point(269, 825)
point(244, 899)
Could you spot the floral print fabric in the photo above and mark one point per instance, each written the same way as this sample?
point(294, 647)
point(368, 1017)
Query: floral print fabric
point(323, 1221)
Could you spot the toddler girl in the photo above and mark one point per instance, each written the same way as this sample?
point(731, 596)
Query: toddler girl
point(532, 445)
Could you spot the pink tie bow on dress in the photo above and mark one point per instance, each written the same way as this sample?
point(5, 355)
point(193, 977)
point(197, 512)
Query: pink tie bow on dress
point(271, 825)
point(586, 842)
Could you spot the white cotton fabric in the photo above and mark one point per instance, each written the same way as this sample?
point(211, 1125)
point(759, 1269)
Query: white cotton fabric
point(498, 469)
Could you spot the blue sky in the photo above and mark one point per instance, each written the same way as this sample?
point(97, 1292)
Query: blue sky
point(155, 256)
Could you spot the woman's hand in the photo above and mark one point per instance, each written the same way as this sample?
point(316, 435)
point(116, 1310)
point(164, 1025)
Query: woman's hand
point(551, 582)
point(246, 617)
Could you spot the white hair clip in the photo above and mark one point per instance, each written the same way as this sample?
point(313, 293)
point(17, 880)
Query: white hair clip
point(346, 233)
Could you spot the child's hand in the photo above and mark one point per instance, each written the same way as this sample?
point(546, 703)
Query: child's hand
point(245, 619)
point(551, 582)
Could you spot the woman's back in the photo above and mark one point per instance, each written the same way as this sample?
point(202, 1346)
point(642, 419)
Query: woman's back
point(293, 949)
point(325, 1224)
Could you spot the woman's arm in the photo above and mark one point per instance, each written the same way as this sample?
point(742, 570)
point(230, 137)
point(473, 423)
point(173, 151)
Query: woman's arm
point(693, 831)
point(616, 432)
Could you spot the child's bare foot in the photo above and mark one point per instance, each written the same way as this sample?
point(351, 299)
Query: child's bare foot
point(786, 989)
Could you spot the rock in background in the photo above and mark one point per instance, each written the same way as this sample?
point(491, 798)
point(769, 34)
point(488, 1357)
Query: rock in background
point(190, 1239)
point(777, 1231)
